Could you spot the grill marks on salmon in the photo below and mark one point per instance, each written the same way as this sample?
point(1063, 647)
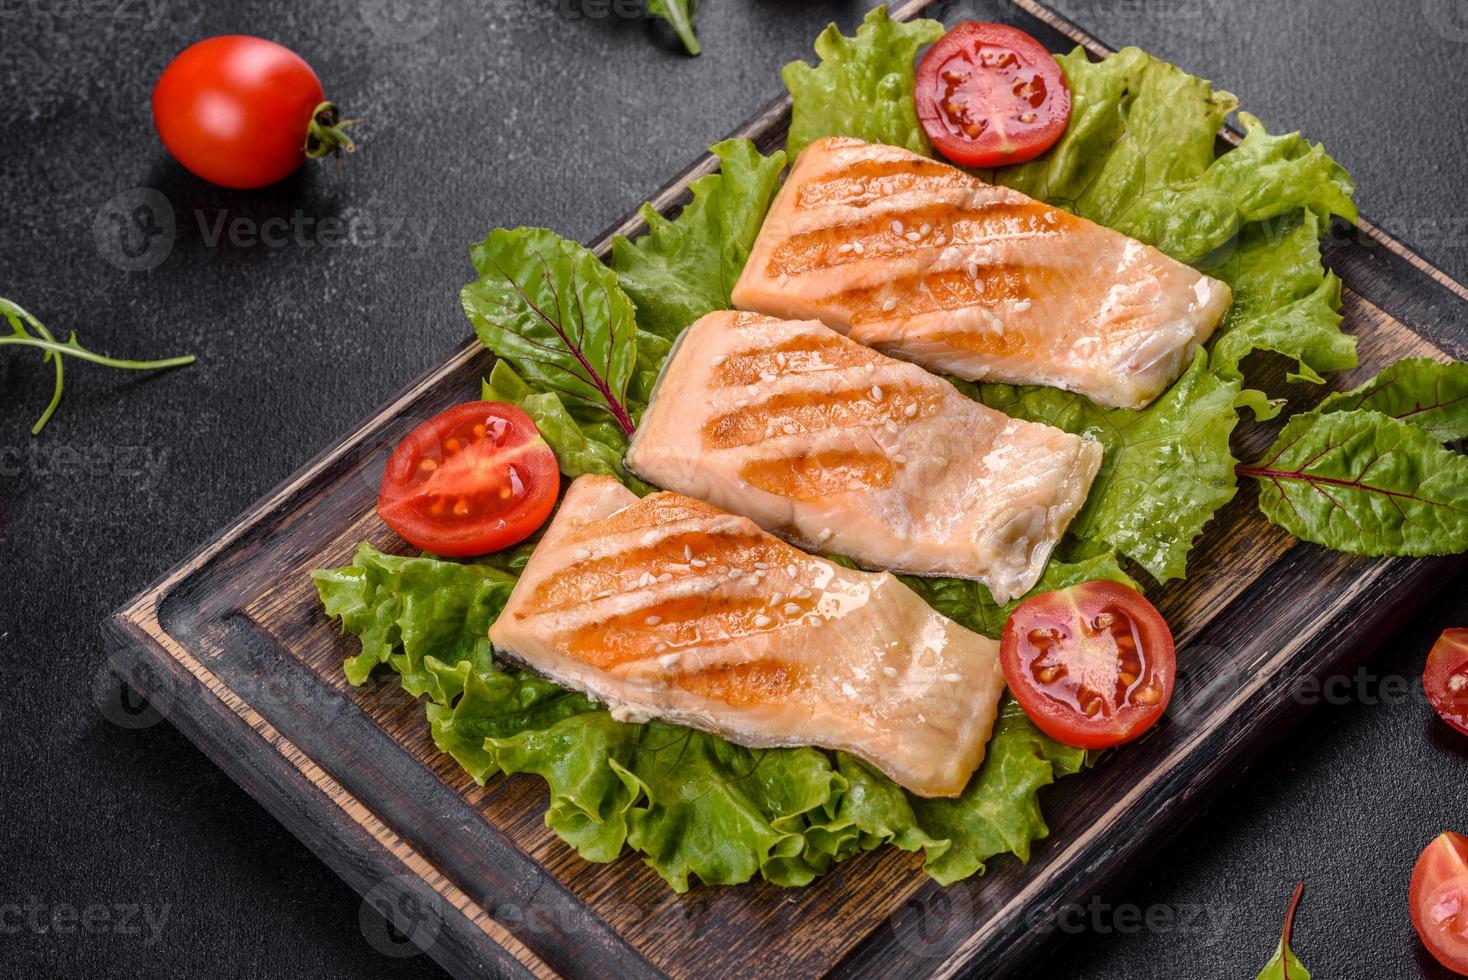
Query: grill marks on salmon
point(667, 607)
point(838, 448)
point(927, 263)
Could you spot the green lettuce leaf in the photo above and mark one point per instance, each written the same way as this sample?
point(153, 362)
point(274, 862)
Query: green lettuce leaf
point(1284, 301)
point(999, 812)
point(687, 267)
point(679, 14)
point(1429, 394)
point(1167, 469)
point(969, 603)
point(557, 314)
point(1365, 483)
point(406, 610)
point(1139, 157)
point(694, 805)
point(863, 86)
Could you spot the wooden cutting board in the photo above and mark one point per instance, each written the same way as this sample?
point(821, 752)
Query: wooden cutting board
point(232, 647)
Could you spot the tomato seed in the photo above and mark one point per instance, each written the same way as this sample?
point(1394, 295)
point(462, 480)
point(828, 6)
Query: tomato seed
point(1148, 695)
point(428, 466)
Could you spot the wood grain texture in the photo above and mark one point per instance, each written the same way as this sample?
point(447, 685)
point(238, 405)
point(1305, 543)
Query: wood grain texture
point(233, 647)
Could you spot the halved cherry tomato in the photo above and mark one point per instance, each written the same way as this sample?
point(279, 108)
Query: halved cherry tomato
point(473, 479)
point(1439, 896)
point(1092, 665)
point(1446, 677)
point(990, 95)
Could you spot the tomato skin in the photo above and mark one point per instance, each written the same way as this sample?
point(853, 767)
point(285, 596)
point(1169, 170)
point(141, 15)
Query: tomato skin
point(989, 95)
point(235, 110)
point(1445, 679)
point(1067, 657)
point(1439, 899)
point(474, 479)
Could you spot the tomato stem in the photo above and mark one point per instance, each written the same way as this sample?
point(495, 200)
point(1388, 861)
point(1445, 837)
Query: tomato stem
point(324, 136)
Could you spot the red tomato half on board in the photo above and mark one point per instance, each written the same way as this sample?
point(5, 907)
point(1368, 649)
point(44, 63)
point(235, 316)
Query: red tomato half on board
point(1092, 665)
point(1439, 898)
point(244, 112)
point(1446, 678)
point(990, 95)
point(473, 479)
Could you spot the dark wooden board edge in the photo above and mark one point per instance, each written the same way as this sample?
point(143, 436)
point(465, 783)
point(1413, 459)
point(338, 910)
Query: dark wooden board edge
point(1012, 941)
point(433, 921)
point(365, 863)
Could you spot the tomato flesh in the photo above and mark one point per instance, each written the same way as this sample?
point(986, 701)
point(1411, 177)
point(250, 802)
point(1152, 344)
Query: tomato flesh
point(1093, 666)
point(474, 479)
point(1446, 678)
point(1439, 898)
point(990, 95)
point(236, 110)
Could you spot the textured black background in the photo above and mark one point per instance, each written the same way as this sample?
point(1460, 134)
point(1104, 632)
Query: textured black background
point(508, 112)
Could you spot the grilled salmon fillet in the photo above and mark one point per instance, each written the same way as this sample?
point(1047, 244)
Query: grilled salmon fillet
point(927, 263)
point(842, 450)
point(666, 607)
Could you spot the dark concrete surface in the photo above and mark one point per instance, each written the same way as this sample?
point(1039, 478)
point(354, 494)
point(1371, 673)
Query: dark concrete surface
point(506, 112)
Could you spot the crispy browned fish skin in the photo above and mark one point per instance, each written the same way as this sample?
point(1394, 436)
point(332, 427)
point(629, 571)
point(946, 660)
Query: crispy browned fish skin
point(929, 264)
point(667, 607)
point(842, 450)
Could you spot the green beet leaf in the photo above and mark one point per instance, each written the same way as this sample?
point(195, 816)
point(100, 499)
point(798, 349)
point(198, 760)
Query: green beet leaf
point(679, 14)
point(1365, 483)
point(685, 268)
point(863, 86)
point(1167, 469)
point(1284, 965)
point(580, 448)
point(557, 314)
point(1428, 394)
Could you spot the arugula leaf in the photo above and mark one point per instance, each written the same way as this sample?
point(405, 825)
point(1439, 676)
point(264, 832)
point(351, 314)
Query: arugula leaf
point(1284, 965)
point(863, 86)
point(1167, 469)
point(679, 14)
point(557, 314)
point(1428, 394)
point(1366, 484)
point(23, 323)
point(685, 268)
